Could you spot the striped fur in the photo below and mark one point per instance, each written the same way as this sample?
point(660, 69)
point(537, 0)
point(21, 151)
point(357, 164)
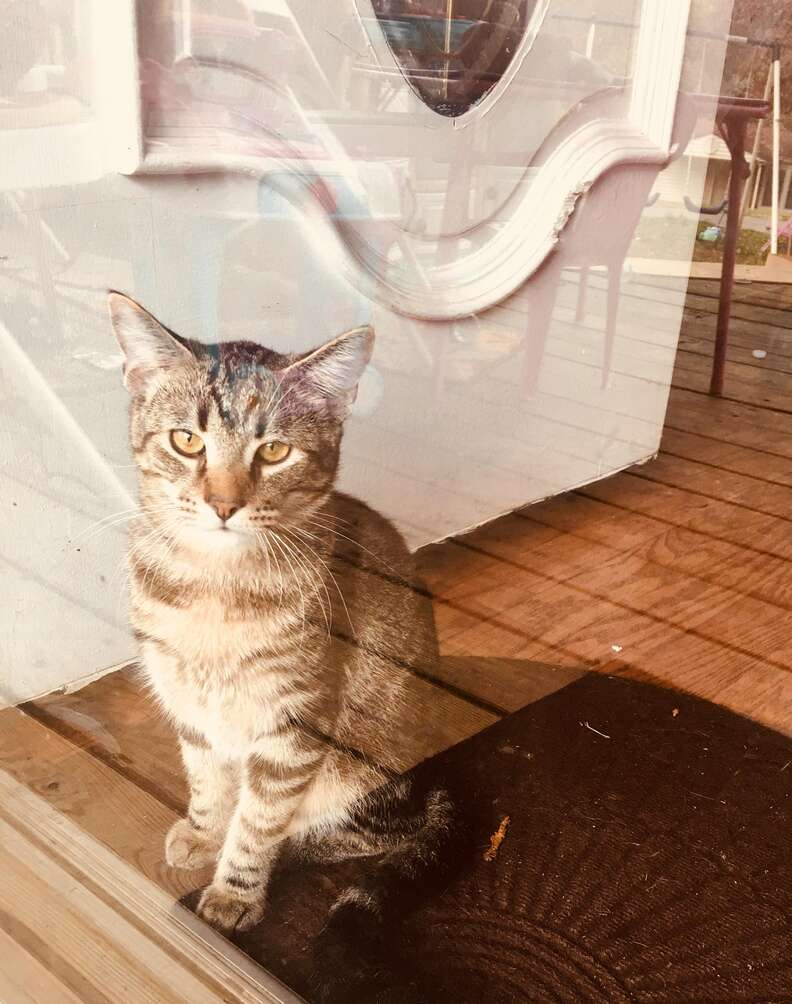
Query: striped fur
point(277, 639)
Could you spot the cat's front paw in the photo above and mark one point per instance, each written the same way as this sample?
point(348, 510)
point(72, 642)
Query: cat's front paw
point(227, 912)
point(185, 847)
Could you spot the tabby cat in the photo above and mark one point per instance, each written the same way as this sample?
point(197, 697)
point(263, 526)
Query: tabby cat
point(278, 619)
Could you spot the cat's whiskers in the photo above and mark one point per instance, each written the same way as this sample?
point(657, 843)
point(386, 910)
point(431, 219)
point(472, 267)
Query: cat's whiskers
point(157, 566)
point(106, 523)
point(266, 548)
point(143, 541)
point(149, 545)
point(264, 537)
point(279, 544)
point(319, 558)
point(111, 526)
point(123, 516)
point(330, 518)
point(123, 568)
point(154, 539)
point(351, 540)
point(122, 574)
point(304, 562)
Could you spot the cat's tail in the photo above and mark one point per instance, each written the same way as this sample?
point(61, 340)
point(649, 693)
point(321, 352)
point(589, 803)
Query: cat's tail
point(357, 942)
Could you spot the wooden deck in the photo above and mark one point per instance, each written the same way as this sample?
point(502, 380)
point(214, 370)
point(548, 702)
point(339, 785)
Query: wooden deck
point(677, 572)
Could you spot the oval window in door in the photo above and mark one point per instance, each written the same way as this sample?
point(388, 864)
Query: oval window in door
point(454, 51)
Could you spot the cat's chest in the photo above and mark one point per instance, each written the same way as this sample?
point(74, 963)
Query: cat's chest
point(196, 659)
point(207, 634)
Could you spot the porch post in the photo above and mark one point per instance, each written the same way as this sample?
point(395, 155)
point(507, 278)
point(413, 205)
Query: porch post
point(734, 130)
point(782, 199)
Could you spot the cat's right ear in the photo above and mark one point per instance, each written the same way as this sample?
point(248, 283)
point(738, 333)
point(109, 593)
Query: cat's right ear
point(148, 347)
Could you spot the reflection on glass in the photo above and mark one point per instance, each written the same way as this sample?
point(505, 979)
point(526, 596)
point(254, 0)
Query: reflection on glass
point(288, 132)
point(41, 81)
point(281, 141)
point(453, 51)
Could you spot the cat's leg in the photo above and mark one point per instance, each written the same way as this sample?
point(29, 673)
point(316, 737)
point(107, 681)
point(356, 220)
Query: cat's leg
point(196, 840)
point(270, 794)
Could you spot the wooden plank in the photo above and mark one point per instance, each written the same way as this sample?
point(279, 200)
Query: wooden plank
point(717, 615)
point(483, 598)
point(638, 350)
point(759, 309)
point(113, 810)
point(772, 332)
point(766, 388)
point(111, 969)
point(24, 979)
point(756, 428)
point(115, 720)
point(692, 350)
point(698, 335)
point(708, 515)
point(439, 719)
point(742, 310)
point(647, 590)
point(694, 594)
point(109, 933)
point(677, 615)
point(769, 468)
point(590, 514)
point(715, 483)
point(767, 294)
point(514, 543)
point(611, 637)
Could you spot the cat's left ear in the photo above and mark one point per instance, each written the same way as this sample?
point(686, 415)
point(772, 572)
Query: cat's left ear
point(335, 368)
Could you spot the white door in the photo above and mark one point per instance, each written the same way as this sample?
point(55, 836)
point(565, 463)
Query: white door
point(469, 176)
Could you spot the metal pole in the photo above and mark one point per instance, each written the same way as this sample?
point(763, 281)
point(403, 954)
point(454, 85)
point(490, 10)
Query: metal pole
point(447, 45)
point(776, 147)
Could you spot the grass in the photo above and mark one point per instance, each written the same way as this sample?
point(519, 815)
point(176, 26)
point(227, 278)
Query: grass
point(669, 237)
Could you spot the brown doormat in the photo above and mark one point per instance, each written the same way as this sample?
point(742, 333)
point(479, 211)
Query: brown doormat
point(648, 858)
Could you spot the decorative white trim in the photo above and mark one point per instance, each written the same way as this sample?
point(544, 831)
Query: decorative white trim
point(114, 61)
point(657, 62)
point(462, 282)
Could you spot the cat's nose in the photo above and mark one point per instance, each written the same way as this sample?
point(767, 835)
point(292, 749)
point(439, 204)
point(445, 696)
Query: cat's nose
point(224, 509)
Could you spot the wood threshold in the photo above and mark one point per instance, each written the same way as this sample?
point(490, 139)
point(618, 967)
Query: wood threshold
point(109, 916)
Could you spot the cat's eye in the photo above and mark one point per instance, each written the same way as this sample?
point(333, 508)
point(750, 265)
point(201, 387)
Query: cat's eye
point(273, 452)
point(187, 443)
